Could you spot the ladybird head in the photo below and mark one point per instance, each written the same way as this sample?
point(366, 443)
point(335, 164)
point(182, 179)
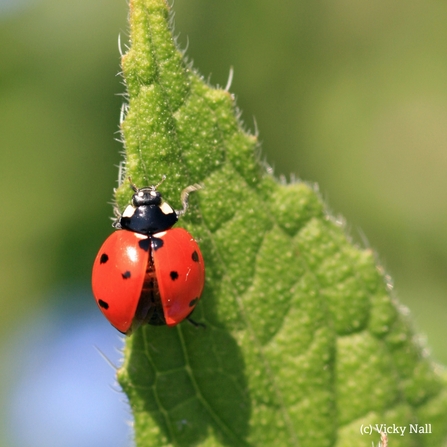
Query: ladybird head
point(147, 195)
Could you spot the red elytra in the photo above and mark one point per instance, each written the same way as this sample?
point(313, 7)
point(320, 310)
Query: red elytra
point(180, 273)
point(175, 266)
point(118, 275)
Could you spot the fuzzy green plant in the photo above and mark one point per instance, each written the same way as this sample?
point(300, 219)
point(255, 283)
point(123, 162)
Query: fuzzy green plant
point(303, 343)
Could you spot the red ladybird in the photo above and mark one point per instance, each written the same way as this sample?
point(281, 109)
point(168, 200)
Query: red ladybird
point(146, 271)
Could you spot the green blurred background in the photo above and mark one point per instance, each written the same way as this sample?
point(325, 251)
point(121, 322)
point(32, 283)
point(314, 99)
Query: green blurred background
point(351, 95)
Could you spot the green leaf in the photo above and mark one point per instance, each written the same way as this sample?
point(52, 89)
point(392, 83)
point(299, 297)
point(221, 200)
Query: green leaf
point(304, 341)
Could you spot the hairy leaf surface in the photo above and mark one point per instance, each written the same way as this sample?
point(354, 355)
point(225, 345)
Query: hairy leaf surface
point(304, 341)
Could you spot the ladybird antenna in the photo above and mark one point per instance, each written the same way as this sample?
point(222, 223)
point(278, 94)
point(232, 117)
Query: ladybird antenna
point(132, 184)
point(163, 178)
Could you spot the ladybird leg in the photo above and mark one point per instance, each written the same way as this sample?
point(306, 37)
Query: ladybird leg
point(185, 196)
point(116, 222)
point(195, 323)
point(116, 211)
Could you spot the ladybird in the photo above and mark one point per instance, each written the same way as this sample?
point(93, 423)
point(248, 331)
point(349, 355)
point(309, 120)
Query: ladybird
point(147, 271)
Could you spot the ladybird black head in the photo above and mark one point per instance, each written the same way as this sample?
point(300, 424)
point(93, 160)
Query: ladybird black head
point(146, 196)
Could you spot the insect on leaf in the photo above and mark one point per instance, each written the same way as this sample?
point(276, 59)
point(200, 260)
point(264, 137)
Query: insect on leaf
point(303, 341)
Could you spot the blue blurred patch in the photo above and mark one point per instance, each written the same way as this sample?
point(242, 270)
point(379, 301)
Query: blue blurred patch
point(62, 391)
point(8, 7)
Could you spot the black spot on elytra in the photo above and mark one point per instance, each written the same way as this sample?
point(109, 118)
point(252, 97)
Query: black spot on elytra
point(103, 304)
point(193, 302)
point(173, 275)
point(104, 258)
point(195, 256)
point(144, 244)
point(157, 243)
point(126, 274)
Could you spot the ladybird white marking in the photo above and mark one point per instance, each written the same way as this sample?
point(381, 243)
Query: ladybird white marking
point(166, 209)
point(129, 211)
